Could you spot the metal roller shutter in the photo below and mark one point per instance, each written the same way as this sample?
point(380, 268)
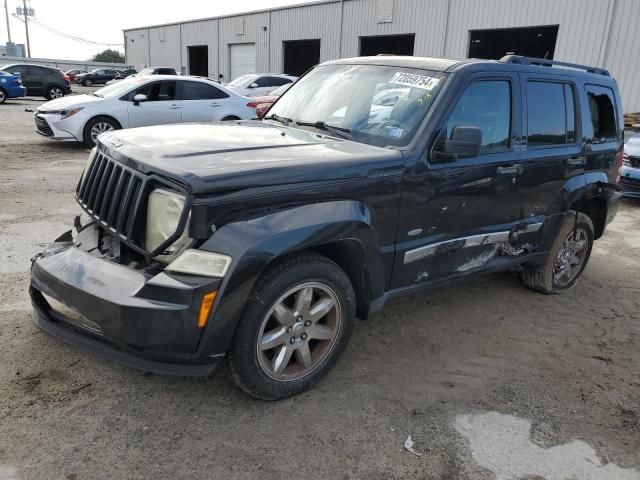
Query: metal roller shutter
point(243, 59)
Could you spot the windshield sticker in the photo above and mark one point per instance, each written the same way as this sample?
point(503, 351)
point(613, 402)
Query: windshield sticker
point(414, 80)
point(394, 132)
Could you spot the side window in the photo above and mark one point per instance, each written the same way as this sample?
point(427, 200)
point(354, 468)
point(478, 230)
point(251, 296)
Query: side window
point(603, 113)
point(201, 91)
point(157, 92)
point(487, 105)
point(279, 81)
point(548, 114)
point(100, 72)
point(266, 82)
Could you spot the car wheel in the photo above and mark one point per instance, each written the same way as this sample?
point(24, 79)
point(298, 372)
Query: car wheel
point(297, 323)
point(95, 127)
point(54, 92)
point(567, 258)
point(87, 83)
point(3, 96)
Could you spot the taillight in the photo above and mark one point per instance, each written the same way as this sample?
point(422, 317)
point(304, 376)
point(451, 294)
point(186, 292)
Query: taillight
point(620, 159)
point(252, 104)
point(66, 77)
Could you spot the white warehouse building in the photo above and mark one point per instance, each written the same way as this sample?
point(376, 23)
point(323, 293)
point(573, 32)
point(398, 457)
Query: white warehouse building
point(291, 39)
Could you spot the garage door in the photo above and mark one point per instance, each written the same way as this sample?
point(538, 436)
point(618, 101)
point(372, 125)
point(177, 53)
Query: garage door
point(243, 59)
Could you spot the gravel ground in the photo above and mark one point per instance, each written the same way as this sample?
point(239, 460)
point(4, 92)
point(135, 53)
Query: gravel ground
point(491, 380)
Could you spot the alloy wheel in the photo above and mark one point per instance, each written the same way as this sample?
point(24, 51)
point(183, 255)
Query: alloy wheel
point(2, 96)
point(570, 258)
point(99, 128)
point(299, 331)
point(56, 92)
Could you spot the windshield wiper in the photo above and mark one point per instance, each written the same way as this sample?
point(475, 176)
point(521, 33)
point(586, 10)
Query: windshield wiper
point(283, 120)
point(333, 129)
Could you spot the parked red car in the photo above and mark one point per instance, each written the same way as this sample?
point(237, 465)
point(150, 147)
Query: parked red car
point(262, 104)
point(72, 74)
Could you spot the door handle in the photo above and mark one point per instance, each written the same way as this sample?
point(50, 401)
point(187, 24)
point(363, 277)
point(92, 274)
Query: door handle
point(215, 105)
point(512, 170)
point(174, 107)
point(576, 162)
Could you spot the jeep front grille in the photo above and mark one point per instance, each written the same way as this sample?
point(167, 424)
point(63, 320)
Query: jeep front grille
point(113, 194)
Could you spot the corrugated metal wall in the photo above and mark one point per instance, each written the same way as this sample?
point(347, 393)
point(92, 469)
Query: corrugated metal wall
point(252, 28)
point(425, 18)
point(594, 32)
point(304, 23)
point(201, 33)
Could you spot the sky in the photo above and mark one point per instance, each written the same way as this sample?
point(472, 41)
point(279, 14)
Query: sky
point(103, 21)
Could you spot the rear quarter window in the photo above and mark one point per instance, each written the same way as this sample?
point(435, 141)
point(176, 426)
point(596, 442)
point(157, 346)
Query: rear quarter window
point(602, 112)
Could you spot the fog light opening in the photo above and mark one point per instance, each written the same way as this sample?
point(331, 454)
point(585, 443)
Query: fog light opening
point(205, 308)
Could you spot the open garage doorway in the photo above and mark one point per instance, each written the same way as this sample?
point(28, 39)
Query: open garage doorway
point(300, 56)
point(199, 60)
point(538, 42)
point(389, 44)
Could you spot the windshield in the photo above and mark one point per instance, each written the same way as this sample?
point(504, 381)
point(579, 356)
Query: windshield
point(280, 90)
point(377, 105)
point(2, 72)
point(238, 82)
point(119, 88)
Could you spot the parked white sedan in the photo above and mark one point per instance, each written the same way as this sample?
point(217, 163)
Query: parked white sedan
point(259, 84)
point(137, 102)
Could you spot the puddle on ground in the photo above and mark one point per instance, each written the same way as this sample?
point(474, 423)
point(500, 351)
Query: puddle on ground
point(501, 444)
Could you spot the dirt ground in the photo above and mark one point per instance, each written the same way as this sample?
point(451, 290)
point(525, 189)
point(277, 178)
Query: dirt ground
point(491, 380)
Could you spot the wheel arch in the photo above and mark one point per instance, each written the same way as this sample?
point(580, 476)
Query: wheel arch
point(585, 194)
point(101, 115)
point(340, 231)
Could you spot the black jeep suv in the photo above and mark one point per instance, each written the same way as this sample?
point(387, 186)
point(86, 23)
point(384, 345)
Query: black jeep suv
point(262, 241)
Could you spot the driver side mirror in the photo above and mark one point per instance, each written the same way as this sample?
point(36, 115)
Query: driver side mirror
point(465, 143)
point(253, 85)
point(140, 97)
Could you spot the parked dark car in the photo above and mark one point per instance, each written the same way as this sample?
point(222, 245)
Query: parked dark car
point(630, 175)
point(72, 74)
point(10, 86)
point(262, 241)
point(40, 80)
point(96, 77)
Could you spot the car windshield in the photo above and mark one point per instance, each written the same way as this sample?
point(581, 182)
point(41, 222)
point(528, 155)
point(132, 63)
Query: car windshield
point(119, 88)
point(3, 73)
point(280, 90)
point(238, 82)
point(372, 104)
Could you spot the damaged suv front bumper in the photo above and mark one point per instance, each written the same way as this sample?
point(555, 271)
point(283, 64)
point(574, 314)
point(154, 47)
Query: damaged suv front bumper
point(144, 320)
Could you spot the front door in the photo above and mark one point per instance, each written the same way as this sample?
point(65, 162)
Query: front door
point(161, 107)
point(456, 212)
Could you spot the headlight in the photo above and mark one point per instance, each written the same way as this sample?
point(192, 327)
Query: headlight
point(92, 155)
point(69, 113)
point(198, 262)
point(163, 215)
point(625, 160)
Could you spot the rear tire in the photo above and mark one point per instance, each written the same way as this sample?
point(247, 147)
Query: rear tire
point(567, 258)
point(95, 127)
point(297, 323)
point(54, 92)
point(3, 96)
point(87, 83)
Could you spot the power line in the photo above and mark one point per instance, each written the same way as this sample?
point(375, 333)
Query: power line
point(66, 35)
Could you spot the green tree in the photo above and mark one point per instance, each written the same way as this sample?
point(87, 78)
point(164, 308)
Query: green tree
point(108, 55)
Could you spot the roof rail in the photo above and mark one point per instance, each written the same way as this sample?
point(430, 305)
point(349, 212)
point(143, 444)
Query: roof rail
point(550, 63)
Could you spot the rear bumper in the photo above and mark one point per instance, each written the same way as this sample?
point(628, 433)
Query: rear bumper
point(147, 322)
point(16, 92)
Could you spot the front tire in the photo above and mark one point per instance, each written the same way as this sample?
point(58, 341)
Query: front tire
point(567, 258)
point(87, 83)
point(298, 321)
point(54, 92)
point(3, 96)
point(95, 127)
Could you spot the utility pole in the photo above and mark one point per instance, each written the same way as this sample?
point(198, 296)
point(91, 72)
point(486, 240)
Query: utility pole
point(26, 26)
point(6, 12)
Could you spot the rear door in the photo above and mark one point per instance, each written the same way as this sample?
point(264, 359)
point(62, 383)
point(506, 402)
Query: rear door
point(202, 102)
point(162, 105)
point(456, 213)
point(35, 79)
point(552, 151)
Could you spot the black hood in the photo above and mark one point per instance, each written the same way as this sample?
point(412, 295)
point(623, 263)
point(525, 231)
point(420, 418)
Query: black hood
point(227, 156)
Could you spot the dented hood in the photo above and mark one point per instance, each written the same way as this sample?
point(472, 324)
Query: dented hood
point(231, 156)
